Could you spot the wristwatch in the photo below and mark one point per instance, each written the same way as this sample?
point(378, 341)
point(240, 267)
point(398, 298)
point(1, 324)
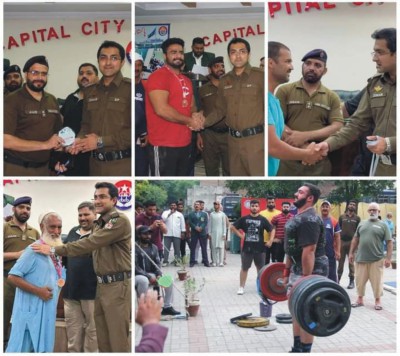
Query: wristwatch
point(100, 143)
point(52, 250)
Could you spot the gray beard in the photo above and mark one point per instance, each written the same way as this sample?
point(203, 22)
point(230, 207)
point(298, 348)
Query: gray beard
point(51, 241)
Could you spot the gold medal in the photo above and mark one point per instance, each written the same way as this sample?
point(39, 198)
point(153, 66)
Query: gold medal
point(185, 103)
point(61, 282)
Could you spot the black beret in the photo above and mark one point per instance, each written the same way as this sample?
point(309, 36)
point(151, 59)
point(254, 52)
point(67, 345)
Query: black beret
point(216, 60)
point(142, 229)
point(12, 69)
point(316, 54)
point(22, 200)
point(37, 59)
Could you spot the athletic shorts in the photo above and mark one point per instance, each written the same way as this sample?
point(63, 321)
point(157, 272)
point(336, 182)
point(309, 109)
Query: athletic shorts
point(248, 257)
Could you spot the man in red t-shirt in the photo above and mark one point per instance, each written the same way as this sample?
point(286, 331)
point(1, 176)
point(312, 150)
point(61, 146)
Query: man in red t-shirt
point(169, 107)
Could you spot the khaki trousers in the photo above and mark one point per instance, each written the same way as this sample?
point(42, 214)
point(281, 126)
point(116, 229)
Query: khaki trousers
point(112, 316)
point(80, 325)
point(372, 271)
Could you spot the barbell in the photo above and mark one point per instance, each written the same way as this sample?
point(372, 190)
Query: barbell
point(320, 306)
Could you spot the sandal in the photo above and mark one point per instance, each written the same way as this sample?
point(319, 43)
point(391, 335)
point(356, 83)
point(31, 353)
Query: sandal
point(378, 307)
point(357, 304)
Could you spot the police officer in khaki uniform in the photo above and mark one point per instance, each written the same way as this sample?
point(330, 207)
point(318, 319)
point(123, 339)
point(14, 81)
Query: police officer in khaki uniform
point(31, 122)
point(106, 124)
point(12, 79)
point(241, 101)
point(377, 107)
point(213, 141)
point(311, 111)
point(17, 236)
point(110, 242)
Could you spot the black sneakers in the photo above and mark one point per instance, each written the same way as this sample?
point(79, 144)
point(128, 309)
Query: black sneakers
point(169, 311)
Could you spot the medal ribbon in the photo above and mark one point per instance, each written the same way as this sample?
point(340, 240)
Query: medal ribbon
point(55, 260)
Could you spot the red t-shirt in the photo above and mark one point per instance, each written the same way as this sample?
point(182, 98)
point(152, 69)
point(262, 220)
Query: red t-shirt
point(163, 132)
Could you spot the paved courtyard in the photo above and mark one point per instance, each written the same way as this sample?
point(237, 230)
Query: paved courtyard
point(210, 331)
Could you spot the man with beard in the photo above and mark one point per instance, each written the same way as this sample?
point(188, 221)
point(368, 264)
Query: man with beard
point(252, 228)
point(311, 112)
point(110, 245)
point(367, 248)
point(106, 117)
point(17, 236)
point(279, 68)
point(198, 55)
point(80, 288)
point(377, 108)
point(269, 213)
point(241, 101)
point(305, 252)
point(277, 234)
point(141, 139)
point(31, 122)
point(12, 79)
point(169, 107)
point(38, 279)
point(213, 141)
point(72, 114)
point(348, 222)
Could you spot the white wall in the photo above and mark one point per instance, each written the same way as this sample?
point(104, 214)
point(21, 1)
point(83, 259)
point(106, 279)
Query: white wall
point(63, 196)
point(343, 32)
point(65, 54)
point(188, 27)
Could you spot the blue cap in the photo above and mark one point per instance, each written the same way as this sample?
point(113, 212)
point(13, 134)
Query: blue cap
point(316, 54)
point(22, 200)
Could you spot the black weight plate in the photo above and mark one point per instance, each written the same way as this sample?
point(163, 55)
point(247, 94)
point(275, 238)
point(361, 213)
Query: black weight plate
point(284, 321)
point(283, 316)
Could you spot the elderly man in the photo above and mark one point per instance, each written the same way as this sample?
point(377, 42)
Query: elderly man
point(370, 257)
point(38, 279)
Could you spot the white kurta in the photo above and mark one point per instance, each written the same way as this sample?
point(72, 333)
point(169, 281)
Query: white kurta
point(217, 229)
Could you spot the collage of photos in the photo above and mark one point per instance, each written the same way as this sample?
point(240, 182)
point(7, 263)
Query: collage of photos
point(312, 202)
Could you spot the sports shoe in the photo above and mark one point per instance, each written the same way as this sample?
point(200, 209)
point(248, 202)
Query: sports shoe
point(213, 265)
point(169, 311)
point(165, 264)
point(221, 265)
point(240, 291)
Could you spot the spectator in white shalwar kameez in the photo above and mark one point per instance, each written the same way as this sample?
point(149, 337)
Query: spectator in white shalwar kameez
point(217, 231)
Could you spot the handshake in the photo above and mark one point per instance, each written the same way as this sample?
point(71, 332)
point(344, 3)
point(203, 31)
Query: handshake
point(197, 122)
point(315, 152)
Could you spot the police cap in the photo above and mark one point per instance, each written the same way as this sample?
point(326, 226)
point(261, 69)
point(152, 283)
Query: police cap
point(12, 69)
point(316, 54)
point(216, 60)
point(35, 60)
point(22, 200)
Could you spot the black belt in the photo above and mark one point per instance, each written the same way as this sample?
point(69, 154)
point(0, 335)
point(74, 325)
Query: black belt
point(220, 129)
point(116, 277)
point(246, 132)
point(21, 162)
point(111, 155)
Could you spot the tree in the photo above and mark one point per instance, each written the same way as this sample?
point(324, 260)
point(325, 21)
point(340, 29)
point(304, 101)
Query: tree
point(145, 190)
point(358, 189)
point(262, 188)
point(175, 189)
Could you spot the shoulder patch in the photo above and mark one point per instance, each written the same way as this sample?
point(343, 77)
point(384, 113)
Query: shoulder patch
point(111, 223)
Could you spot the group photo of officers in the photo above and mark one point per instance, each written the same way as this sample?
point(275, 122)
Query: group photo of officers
point(86, 134)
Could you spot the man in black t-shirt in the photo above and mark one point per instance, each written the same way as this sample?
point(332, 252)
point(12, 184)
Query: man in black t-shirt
point(253, 226)
point(305, 251)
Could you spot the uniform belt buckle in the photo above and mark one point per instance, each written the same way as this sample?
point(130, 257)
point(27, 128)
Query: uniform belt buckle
point(101, 157)
point(99, 279)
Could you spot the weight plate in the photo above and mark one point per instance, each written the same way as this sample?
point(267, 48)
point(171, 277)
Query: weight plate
point(283, 316)
point(252, 322)
point(284, 321)
point(266, 328)
point(268, 282)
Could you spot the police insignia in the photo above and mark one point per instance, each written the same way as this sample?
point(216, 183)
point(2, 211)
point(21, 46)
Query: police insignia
point(378, 88)
point(124, 201)
point(111, 223)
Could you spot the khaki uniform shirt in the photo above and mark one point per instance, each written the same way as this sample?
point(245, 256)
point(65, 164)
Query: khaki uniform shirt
point(377, 107)
point(303, 112)
point(110, 242)
point(16, 240)
point(240, 99)
point(208, 97)
point(29, 119)
point(107, 113)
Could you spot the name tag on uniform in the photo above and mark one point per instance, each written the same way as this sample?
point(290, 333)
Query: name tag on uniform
point(91, 100)
point(33, 112)
point(378, 95)
point(206, 95)
point(10, 236)
point(228, 86)
point(52, 111)
point(116, 99)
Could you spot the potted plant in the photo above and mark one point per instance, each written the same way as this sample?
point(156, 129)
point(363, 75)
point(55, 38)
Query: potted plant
point(182, 263)
point(192, 289)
